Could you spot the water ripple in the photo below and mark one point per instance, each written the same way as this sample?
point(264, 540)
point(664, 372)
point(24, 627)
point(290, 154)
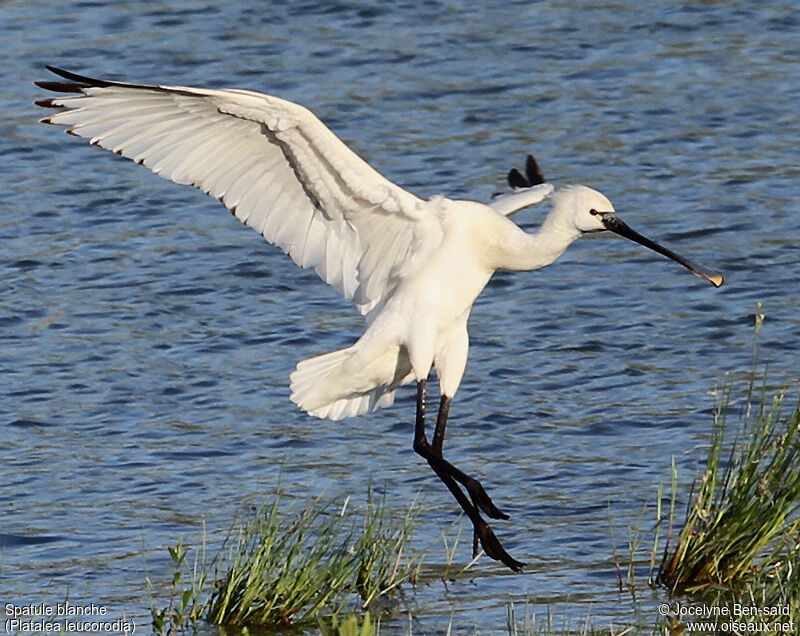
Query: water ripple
point(147, 338)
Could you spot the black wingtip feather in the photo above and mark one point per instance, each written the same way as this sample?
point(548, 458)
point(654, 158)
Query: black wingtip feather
point(60, 87)
point(532, 171)
point(533, 175)
point(79, 84)
point(46, 103)
point(516, 180)
point(74, 77)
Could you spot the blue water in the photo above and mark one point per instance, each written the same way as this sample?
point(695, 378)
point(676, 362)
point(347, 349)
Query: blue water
point(146, 338)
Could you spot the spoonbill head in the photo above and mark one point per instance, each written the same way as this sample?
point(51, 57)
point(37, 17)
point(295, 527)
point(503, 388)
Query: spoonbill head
point(577, 206)
point(587, 211)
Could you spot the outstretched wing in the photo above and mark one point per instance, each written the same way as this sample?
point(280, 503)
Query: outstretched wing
point(273, 164)
point(529, 189)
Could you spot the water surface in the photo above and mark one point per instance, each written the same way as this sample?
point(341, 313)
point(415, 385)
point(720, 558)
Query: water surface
point(146, 338)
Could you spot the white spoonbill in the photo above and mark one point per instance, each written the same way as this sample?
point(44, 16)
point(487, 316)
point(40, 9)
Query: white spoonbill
point(412, 267)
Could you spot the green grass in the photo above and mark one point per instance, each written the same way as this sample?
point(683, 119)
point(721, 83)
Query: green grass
point(741, 523)
point(350, 625)
point(286, 567)
point(739, 539)
point(279, 574)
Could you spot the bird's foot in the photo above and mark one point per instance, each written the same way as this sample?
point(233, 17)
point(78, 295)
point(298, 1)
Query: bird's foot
point(492, 546)
point(477, 493)
point(481, 499)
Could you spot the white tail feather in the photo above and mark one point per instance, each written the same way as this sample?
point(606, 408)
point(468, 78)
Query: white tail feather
point(322, 386)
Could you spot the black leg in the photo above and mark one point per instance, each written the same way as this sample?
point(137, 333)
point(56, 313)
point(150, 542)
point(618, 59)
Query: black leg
point(478, 495)
point(483, 532)
point(476, 491)
point(441, 423)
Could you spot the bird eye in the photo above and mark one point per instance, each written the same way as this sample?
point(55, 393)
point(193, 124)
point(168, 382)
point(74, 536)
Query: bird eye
point(593, 212)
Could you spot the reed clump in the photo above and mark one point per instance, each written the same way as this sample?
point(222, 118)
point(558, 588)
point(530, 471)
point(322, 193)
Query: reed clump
point(286, 571)
point(322, 564)
point(742, 522)
point(733, 554)
point(740, 537)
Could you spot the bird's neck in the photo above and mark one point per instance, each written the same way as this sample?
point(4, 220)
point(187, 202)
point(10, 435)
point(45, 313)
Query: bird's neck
point(525, 252)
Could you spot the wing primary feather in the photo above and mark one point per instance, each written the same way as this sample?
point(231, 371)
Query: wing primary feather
point(533, 175)
point(81, 79)
point(61, 87)
point(82, 82)
point(533, 172)
point(516, 180)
